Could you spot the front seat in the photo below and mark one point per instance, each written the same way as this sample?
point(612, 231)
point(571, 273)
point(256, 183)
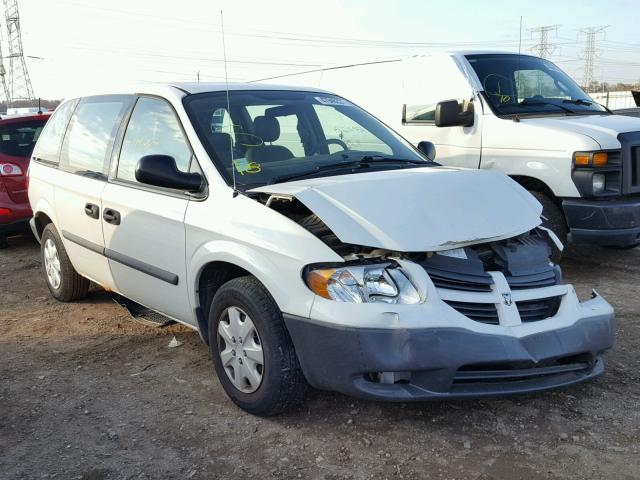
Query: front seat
point(268, 130)
point(221, 143)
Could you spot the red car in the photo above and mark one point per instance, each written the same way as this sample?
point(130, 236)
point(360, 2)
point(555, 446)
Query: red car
point(18, 136)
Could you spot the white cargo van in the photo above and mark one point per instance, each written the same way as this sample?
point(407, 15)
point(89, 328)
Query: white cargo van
point(518, 114)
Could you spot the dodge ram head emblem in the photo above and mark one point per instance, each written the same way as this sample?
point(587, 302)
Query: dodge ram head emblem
point(508, 301)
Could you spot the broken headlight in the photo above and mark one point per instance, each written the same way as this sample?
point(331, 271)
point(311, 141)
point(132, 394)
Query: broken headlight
point(378, 283)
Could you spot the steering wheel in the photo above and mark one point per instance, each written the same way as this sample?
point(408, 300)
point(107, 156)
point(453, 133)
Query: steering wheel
point(337, 141)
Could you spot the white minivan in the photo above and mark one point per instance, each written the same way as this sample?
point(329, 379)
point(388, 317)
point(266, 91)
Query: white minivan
point(369, 270)
point(517, 114)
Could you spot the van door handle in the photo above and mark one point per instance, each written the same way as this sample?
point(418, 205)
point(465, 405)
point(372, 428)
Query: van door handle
point(92, 210)
point(111, 216)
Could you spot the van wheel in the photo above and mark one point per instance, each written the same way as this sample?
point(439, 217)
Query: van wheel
point(554, 220)
point(65, 284)
point(252, 352)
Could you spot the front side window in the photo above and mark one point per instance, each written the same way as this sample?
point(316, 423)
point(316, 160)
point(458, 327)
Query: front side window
point(19, 139)
point(153, 129)
point(282, 135)
point(91, 134)
point(521, 84)
point(50, 140)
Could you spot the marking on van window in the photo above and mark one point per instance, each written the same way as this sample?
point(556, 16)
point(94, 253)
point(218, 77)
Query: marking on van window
point(243, 166)
point(333, 101)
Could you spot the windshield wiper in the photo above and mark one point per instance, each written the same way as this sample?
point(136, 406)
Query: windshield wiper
point(533, 103)
point(365, 162)
point(579, 101)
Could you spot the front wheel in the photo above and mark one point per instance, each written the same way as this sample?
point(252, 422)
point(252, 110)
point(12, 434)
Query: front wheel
point(553, 220)
point(251, 350)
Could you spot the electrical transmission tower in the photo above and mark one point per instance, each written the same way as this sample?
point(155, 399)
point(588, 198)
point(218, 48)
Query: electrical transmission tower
point(590, 52)
point(543, 48)
point(3, 73)
point(19, 81)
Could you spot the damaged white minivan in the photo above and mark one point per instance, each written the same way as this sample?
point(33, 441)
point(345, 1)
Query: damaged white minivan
point(309, 245)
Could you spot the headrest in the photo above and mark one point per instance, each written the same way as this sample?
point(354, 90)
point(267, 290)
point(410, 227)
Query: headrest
point(221, 143)
point(267, 128)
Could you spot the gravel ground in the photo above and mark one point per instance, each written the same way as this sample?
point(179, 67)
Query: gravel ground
point(86, 393)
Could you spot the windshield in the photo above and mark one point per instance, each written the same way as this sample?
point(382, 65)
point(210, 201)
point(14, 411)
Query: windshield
point(521, 84)
point(272, 136)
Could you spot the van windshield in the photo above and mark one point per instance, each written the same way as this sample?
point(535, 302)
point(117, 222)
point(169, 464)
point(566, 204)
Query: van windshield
point(521, 84)
point(273, 136)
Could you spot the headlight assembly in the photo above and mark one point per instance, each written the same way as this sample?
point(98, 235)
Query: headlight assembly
point(376, 283)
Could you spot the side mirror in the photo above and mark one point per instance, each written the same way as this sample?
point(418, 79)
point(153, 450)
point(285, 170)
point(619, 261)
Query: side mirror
point(428, 149)
point(450, 114)
point(161, 171)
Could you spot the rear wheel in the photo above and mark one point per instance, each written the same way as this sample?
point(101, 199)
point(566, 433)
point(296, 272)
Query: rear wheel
point(65, 284)
point(251, 350)
point(553, 220)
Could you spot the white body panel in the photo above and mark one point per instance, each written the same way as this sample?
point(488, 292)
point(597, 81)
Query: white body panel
point(151, 230)
point(398, 210)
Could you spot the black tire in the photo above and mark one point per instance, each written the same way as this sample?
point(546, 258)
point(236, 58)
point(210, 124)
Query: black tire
point(283, 385)
point(3, 242)
point(553, 220)
point(72, 285)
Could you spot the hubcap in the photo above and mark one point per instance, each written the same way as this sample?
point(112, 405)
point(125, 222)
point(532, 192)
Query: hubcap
point(52, 264)
point(240, 350)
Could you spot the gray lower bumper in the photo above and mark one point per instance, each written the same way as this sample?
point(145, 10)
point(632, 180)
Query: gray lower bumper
point(605, 222)
point(447, 362)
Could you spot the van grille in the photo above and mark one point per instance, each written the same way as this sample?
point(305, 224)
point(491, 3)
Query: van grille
point(529, 310)
point(477, 283)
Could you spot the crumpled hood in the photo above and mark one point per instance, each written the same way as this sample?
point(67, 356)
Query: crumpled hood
point(417, 210)
point(604, 129)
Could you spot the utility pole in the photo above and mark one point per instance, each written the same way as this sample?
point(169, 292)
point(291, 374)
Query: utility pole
point(543, 48)
point(590, 52)
point(19, 82)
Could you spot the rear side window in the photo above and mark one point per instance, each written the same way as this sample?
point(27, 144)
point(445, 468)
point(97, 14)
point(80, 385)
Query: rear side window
point(91, 134)
point(48, 145)
point(153, 129)
point(19, 139)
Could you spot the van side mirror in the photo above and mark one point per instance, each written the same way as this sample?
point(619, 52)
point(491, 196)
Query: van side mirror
point(162, 171)
point(450, 114)
point(428, 149)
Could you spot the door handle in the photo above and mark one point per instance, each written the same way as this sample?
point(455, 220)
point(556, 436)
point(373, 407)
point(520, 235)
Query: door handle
point(111, 216)
point(92, 210)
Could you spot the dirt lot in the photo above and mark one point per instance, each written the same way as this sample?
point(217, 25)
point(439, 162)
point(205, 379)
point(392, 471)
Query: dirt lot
point(87, 393)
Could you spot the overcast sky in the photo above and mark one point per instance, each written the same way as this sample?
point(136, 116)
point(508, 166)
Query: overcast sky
point(97, 43)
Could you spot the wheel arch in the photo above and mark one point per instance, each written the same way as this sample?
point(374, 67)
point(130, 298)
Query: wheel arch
point(42, 216)
point(535, 184)
point(215, 263)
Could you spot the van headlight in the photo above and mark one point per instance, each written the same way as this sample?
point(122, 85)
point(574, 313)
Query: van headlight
point(376, 283)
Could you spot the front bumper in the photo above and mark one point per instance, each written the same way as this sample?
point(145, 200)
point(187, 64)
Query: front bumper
point(606, 222)
point(411, 364)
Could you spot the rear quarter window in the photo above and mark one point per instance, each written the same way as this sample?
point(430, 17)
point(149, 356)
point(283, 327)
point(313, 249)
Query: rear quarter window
point(47, 147)
point(91, 134)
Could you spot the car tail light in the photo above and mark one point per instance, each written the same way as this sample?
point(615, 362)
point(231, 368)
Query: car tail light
point(4, 212)
point(10, 170)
